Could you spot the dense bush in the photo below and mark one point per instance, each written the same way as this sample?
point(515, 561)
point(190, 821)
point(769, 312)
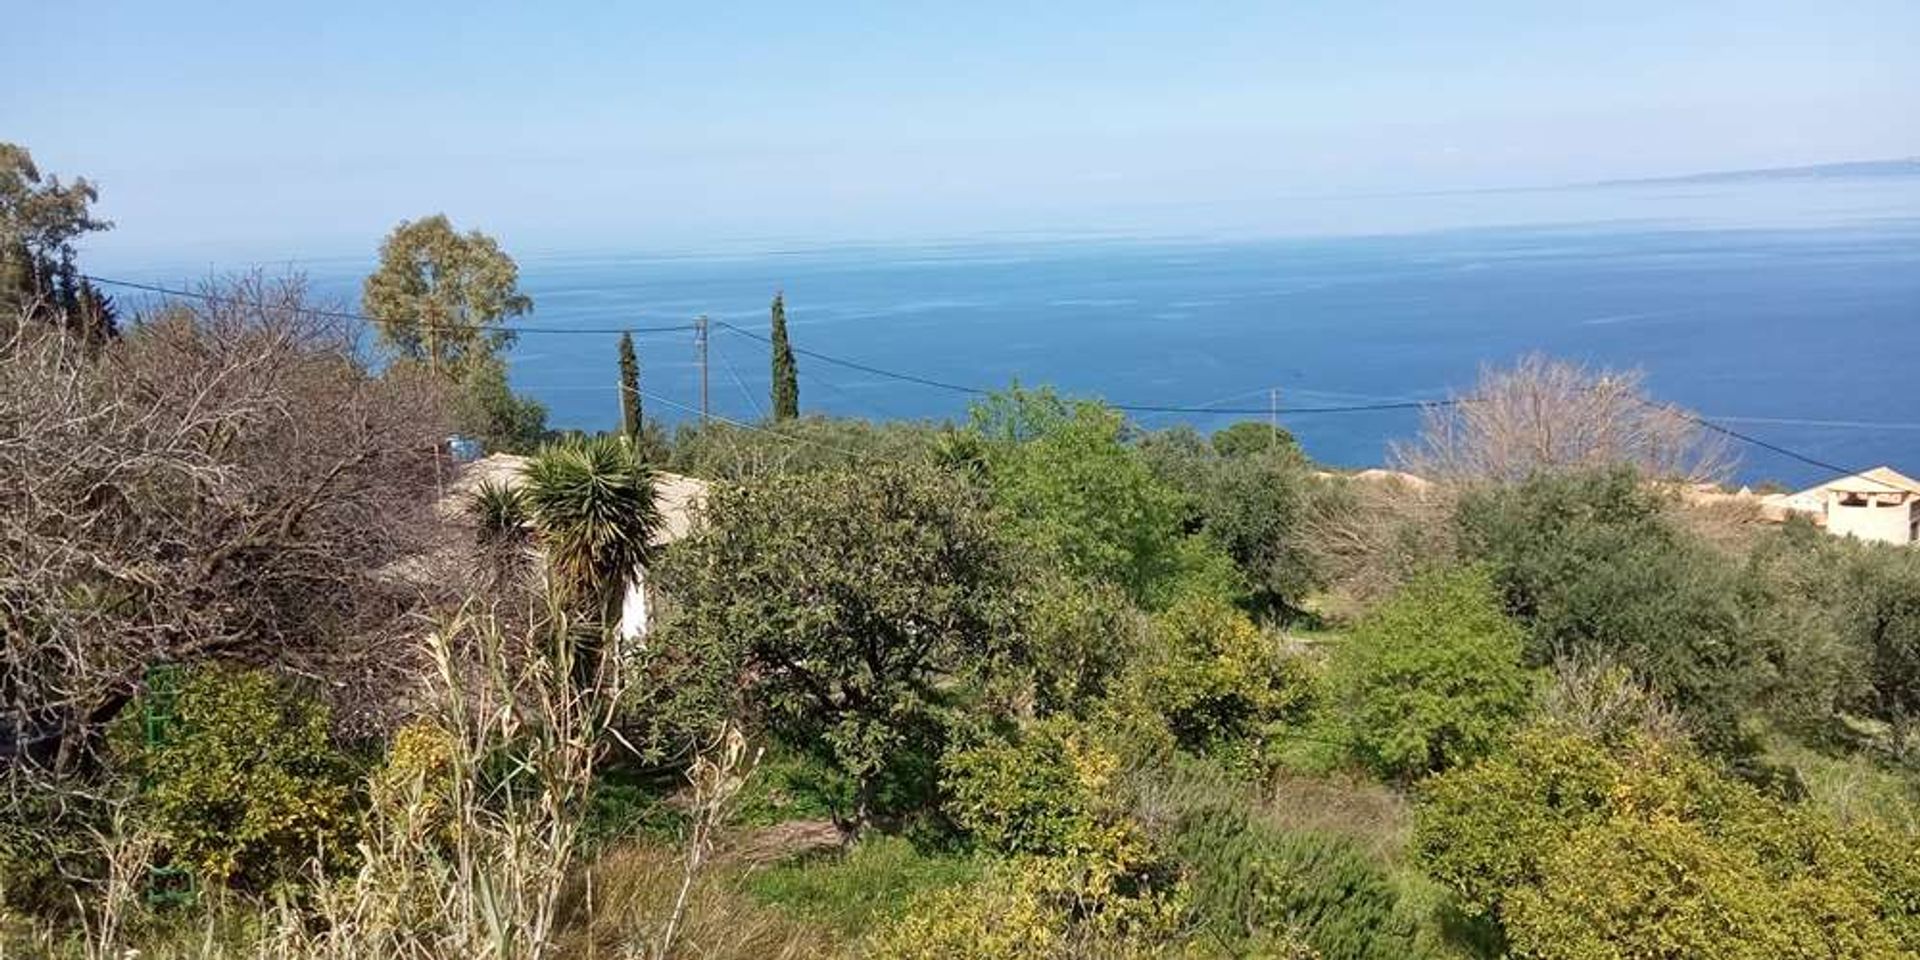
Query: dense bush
point(1076, 490)
point(1221, 685)
point(1080, 637)
point(1248, 494)
point(718, 450)
point(1576, 847)
point(50, 843)
point(1432, 679)
point(1252, 881)
point(848, 609)
point(1112, 901)
point(1880, 617)
point(245, 787)
point(1648, 887)
point(1042, 793)
point(1593, 567)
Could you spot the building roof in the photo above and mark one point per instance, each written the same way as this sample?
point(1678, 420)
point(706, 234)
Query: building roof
point(678, 498)
point(1877, 480)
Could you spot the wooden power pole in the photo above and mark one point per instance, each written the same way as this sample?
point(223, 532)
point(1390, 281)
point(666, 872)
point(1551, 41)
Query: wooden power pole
point(700, 347)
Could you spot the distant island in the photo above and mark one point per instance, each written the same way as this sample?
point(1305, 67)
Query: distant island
point(1855, 169)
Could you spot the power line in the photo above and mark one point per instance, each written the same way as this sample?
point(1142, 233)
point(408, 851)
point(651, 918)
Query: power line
point(1142, 408)
point(742, 384)
point(756, 428)
point(1756, 441)
point(1128, 407)
point(363, 318)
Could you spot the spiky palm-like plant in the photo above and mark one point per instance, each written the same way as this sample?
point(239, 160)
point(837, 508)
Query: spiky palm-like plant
point(503, 529)
point(500, 514)
point(592, 503)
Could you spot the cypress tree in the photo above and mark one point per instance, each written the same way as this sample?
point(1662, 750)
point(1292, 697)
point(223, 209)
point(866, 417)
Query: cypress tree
point(786, 380)
point(629, 389)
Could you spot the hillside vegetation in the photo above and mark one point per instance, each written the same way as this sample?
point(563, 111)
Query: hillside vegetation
point(1039, 684)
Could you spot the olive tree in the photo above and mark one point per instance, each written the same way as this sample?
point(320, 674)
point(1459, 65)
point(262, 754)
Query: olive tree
point(849, 607)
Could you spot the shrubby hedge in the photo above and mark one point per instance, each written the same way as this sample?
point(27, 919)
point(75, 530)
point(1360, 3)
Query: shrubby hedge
point(1433, 678)
point(245, 787)
point(1645, 849)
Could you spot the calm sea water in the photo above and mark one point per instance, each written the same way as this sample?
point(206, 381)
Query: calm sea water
point(1787, 310)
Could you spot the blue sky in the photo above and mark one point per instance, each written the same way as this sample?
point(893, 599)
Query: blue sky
point(277, 133)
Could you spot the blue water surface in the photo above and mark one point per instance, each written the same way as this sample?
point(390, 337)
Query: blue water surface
point(1789, 311)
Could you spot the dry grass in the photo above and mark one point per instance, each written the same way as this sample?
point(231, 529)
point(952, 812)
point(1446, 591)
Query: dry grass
point(612, 909)
point(1371, 814)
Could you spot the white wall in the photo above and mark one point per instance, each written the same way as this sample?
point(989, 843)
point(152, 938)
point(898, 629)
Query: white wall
point(633, 608)
point(1884, 522)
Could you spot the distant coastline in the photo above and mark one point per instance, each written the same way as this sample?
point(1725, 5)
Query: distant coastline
point(1852, 169)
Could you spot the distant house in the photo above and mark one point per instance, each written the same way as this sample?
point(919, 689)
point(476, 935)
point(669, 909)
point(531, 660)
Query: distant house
point(676, 497)
point(1881, 504)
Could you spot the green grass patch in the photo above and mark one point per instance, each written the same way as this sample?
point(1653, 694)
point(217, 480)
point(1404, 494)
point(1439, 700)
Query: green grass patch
point(850, 893)
point(1854, 787)
point(788, 785)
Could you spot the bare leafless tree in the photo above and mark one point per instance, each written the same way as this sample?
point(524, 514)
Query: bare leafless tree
point(223, 481)
point(1543, 415)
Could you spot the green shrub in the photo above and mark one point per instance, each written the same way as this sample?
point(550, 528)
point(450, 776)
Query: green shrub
point(1251, 879)
point(1075, 489)
point(1432, 679)
point(1039, 794)
point(247, 788)
point(1080, 638)
point(1222, 686)
point(1247, 493)
point(1595, 570)
point(853, 611)
point(1643, 849)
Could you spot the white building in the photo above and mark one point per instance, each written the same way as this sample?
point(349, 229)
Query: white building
point(1881, 504)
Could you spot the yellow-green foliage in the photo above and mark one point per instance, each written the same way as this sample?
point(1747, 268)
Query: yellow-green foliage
point(1085, 880)
point(247, 787)
point(1433, 678)
point(418, 777)
point(1039, 908)
point(1644, 850)
point(1220, 683)
point(1044, 793)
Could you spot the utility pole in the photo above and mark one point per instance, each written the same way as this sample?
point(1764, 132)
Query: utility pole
point(1273, 413)
point(700, 347)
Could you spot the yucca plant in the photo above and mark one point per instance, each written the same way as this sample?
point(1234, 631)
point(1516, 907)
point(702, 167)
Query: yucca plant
point(503, 530)
point(500, 513)
point(592, 503)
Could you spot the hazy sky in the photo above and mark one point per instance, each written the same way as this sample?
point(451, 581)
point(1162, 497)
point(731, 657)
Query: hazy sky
point(268, 132)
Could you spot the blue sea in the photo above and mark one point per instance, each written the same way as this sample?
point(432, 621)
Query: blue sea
point(1787, 310)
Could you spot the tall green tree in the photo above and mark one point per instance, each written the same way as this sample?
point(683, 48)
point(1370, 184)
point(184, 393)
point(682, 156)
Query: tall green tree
point(786, 379)
point(40, 218)
point(630, 423)
point(440, 297)
point(850, 607)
